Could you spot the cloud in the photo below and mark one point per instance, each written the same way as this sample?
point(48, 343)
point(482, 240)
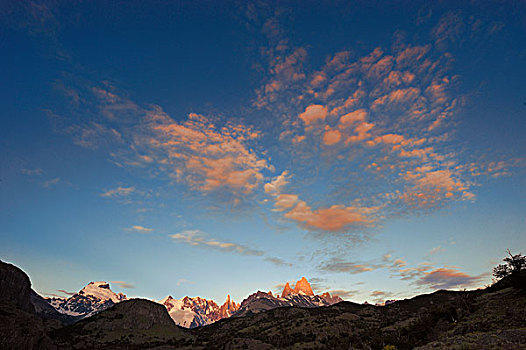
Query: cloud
point(181, 281)
point(209, 154)
point(447, 278)
point(277, 183)
point(118, 192)
point(277, 261)
point(36, 171)
point(123, 284)
point(51, 183)
point(313, 114)
point(204, 156)
point(198, 238)
point(336, 218)
point(66, 292)
point(435, 250)
point(331, 137)
point(379, 296)
point(344, 293)
point(449, 29)
point(339, 265)
point(140, 229)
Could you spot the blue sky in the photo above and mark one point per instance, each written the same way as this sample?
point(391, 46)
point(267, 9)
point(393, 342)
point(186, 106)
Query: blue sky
point(214, 148)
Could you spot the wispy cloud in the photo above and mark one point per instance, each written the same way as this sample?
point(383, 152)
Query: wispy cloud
point(118, 192)
point(36, 171)
point(182, 281)
point(339, 265)
point(139, 228)
point(278, 261)
point(344, 293)
point(447, 278)
point(435, 250)
point(51, 183)
point(66, 292)
point(198, 238)
point(209, 154)
point(123, 284)
point(379, 296)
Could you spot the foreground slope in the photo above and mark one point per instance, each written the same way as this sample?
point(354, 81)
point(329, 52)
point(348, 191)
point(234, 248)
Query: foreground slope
point(494, 318)
point(130, 324)
point(482, 319)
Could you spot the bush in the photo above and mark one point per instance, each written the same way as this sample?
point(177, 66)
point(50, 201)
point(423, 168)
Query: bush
point(514, 269)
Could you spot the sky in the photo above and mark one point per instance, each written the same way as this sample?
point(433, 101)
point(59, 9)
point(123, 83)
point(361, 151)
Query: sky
point(208, 148)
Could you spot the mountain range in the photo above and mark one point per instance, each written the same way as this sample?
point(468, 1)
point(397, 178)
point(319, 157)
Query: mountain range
point(490, 318)
point(191, 312)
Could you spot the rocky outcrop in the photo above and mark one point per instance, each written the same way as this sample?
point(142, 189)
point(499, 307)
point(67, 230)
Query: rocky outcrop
point(130, 314)
point(228, 308)
point(15, 287)
point(93, 298)
point(301, 296)
point(195, 312)
point(131, 324)
point(303, 286)
point(20, 327)
point(287, 290)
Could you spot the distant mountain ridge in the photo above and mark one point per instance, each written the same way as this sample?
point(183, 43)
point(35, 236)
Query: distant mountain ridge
point(195, 312)
point(301, 296)
point(490, 318)
point(191, 312)
point(93, 298)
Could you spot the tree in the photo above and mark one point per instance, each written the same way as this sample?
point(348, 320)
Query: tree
point(513, 272)
point(513, 266)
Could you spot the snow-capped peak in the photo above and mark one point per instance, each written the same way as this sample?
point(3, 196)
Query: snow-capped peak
point(101, 290)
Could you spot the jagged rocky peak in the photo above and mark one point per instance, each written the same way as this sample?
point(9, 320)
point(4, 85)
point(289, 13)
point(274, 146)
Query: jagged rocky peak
point(303, 286)
point(334, 299)
point(287, 290)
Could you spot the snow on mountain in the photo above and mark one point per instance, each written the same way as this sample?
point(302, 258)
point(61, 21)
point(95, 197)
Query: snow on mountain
point(195, 312)
point(93, 298)
point(302, 295)
point(102, 291)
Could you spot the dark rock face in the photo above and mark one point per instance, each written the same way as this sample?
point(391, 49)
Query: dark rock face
point(130, 314)
point(44, 310)
point(131, 324)
point(22, 330)
point(15, 287)
point(20, 327)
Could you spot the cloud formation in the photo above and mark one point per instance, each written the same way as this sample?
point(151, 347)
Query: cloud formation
point(448, 278)
point(198, 238)
point(140, 229)
point(123, 284)
point(118, 192)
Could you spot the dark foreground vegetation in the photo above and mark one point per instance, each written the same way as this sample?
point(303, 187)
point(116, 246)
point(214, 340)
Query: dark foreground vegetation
point(490, 318)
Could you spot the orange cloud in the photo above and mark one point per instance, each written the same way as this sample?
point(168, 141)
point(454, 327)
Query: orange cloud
point(350, 118)
point(399, 96)
point(446, 278)
point(362, 130)
point(276, 185)
point(331, 137)
point(203, 155)
point(333, 219)
point(285, 201)
point(313, 114)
